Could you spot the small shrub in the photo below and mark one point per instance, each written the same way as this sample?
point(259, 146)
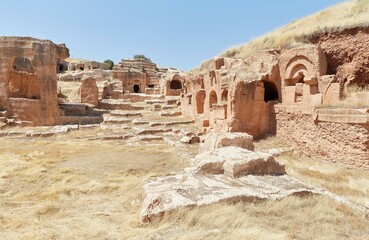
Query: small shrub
point(141, 57)
point(110, 63)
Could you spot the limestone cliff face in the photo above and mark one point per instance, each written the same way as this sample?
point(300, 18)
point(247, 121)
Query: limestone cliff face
point(28, 83)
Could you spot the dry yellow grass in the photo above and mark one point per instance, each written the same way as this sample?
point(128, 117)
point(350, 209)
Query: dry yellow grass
point(77, 60)
point(78, 189)
point(71, 90)
point(353, 13)
point(351, 184)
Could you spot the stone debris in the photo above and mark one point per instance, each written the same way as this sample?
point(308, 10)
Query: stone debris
point(225, 174)
point(172, 192)
point(218, 140)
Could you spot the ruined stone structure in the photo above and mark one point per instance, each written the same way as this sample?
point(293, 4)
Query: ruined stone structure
point(172, 82)
point(28, 79)
point(283, 93)
point(137, 75)
point(80, 66)
point(141, 76)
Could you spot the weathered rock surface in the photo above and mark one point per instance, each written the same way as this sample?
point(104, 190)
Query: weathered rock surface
point(252, 163)
point(171, 192)
point(28, 83)
point(224, 139)
point(236, 162)
point(89, 91)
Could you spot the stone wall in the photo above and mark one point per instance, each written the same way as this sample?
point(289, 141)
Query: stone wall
point(342, 143)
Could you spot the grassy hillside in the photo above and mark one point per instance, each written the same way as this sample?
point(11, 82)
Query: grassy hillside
point(353, 13)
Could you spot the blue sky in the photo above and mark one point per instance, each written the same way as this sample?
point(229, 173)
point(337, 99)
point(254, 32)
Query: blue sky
point(173, 33)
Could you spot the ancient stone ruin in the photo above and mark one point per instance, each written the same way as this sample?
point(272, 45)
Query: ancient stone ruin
point(298, 94)
point(284, 94)
point(28, 79)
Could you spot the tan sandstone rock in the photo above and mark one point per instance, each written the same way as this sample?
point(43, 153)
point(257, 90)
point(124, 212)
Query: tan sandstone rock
point(253, 163)
point(224, 139)
point(28, 82)
point(89, 91)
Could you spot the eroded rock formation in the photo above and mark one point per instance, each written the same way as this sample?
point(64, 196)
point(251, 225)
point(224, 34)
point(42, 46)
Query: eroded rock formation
point(89, 91)
point(28, 85)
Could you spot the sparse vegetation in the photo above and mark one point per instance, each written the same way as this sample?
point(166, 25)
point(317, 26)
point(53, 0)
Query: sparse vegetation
point(81, 189)
point(141, 57)
point(354, 88)
point(354, 13)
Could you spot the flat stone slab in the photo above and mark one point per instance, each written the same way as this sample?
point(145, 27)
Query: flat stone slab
point(116, 120)
point(152, 131)
point(150, 138)
point(155, 101)
point(171, 192)
point(118, 105)
point(125, 113)
point(171, 114)
point(140, 122)
point(171, 123)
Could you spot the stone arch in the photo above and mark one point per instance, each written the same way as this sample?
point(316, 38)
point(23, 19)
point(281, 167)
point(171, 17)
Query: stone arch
point(297, 69)
point(224, 96)
point(270, 91)
point(23, 81)
point(200, 101)
point(213, 99)
point(175, 84)
point(60, 68)
point(137, 86)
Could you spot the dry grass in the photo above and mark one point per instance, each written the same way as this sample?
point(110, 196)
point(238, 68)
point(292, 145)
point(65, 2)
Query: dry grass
point(353, 13)
point(351, 184)
point(71, 90)
point(78, 189)
point(354, 88)
point(77, 60)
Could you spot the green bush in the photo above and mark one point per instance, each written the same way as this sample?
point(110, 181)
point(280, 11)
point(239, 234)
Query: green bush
point(141, 57)
point(110, 63)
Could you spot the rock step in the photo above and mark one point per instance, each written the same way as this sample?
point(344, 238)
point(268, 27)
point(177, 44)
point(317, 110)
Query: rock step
point(119, 106)
point(3, 120)
point(169, 107)
point(155, 101)
point(113, 137)
point(171, 114)
point(83, 120)
point(125, 113)
point(172, 102)
point(140, 122)
point(162, 101)
point(155, 124)
point(116, 120)
point(152, 131)
point(150, 138)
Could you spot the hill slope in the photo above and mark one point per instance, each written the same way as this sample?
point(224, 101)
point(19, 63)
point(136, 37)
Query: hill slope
point(353, 13)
